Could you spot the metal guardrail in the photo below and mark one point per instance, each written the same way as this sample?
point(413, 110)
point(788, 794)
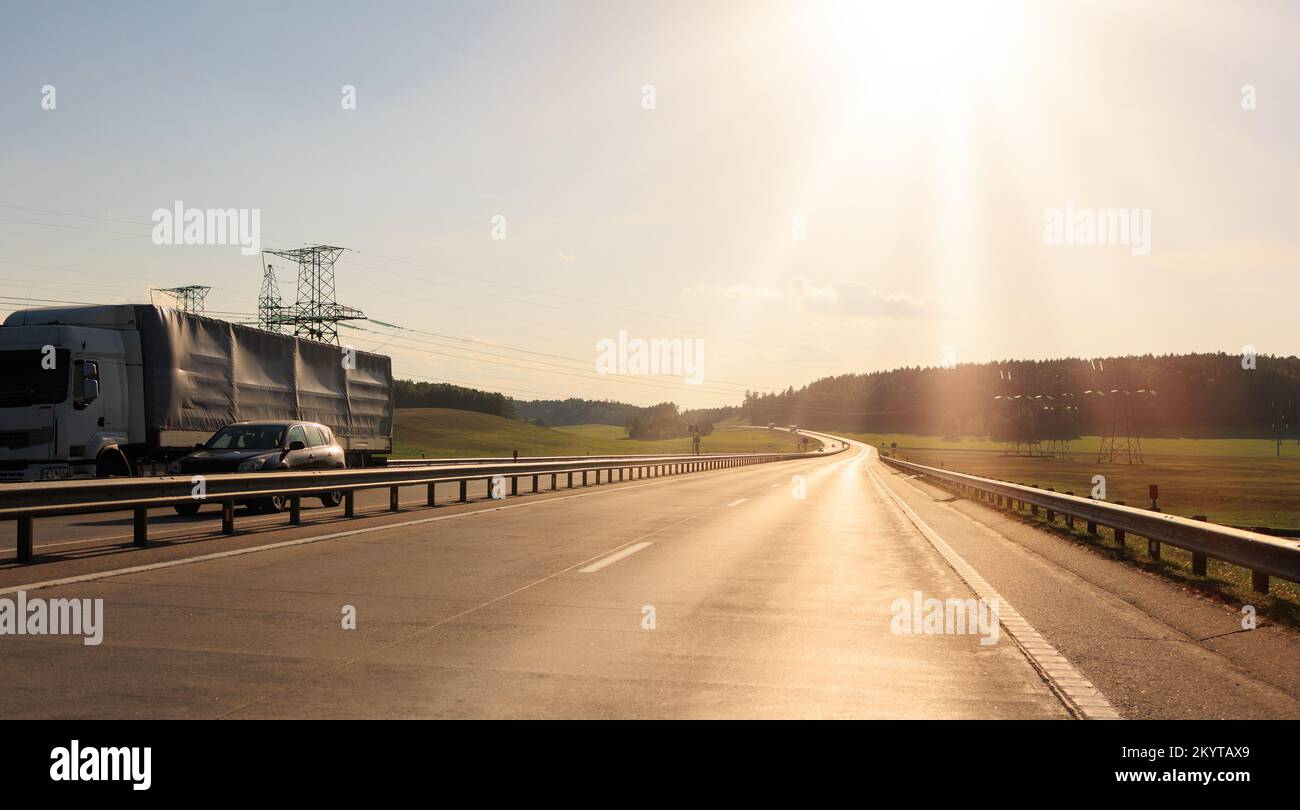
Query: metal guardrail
point(25, 502)
point(1263, 555)
point(416, 462)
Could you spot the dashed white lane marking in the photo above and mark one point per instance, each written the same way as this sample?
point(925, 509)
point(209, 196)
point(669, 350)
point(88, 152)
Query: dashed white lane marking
point(1075, 691)
point(737, 502)
point(774, 486)
point(613, 558)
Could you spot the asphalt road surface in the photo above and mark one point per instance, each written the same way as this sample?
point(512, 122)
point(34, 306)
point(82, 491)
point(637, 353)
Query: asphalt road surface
point(766, 591)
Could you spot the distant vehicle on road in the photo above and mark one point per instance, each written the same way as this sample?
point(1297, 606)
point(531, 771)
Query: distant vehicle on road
point(794, 428)
point(771, 425)
point(265, 447)
point(125, 389)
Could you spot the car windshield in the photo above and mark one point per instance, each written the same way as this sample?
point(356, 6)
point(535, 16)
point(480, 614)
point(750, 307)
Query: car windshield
point(248, 437)
point(33, 377)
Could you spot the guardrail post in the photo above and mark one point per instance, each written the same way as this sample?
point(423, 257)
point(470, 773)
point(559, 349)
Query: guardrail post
point(25, 532)
point(1069, 519)
point(514, 485)
point(1119, 533)
point(350, 501)
point(535, 477)
point(584, 478)
point(140, 536)
point(1153, 549)
point(228, 517)
point(1199, 561)
point(464, 490)
point(431, 496)
point(553, 479)
point(570, 480)
point(620, 473)
point(1259, 581)
point(1051, 515)
point(394, 502)
point(295, 510)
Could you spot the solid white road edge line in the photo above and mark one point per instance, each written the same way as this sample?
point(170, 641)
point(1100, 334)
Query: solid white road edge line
point(1077, 693)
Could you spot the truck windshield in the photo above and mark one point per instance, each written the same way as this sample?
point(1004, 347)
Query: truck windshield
point(248, 437)
point(33, 377)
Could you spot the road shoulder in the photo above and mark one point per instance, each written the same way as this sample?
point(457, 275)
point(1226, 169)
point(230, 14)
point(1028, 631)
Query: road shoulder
point(1155, 649)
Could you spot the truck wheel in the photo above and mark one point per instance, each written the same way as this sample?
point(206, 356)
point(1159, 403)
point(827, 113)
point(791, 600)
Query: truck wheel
point(331, 499)
point(111, 463)
point(187, 509)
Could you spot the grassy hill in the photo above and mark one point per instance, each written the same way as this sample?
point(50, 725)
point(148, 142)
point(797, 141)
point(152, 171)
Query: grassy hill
point(446, 433)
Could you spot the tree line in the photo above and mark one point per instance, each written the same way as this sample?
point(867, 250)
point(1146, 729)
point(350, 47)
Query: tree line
point(413, 394)
point(1194, 395)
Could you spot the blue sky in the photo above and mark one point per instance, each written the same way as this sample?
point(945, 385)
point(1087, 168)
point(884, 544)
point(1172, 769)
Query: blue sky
point(920, 150)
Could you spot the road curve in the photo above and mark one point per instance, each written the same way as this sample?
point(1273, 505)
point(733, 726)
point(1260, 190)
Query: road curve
point(764, 591)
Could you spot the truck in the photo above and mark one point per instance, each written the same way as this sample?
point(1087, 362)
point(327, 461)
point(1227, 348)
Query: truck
point(125, 389)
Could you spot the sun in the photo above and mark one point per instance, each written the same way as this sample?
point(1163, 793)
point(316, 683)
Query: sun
point(923, 52)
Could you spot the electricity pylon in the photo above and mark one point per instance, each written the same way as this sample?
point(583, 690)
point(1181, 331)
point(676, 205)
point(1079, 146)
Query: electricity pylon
point(1119, 442)
point(188, 298)
point(315, 314)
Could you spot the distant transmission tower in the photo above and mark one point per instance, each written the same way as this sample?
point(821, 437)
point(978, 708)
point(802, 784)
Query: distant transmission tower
point(1280, 422)
point(315, 314)
point(188, 298)
point(272, 315)
point(1022, 426)
point(1119, 442)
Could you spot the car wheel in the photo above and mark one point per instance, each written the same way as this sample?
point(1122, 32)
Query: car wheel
point(331, 499)
point(187, 509)
point(273, 504)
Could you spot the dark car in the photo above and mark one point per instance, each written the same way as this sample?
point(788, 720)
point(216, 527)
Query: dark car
point(264, 447)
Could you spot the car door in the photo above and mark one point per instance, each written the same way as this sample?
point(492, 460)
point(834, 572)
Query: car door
point(334, 459)
point(301, 459)
point(319, 457)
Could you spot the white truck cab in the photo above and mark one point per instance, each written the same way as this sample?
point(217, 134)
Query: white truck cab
point(64, 396)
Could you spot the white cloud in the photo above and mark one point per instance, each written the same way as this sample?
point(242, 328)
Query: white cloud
point(849, 299)
point(842, 299)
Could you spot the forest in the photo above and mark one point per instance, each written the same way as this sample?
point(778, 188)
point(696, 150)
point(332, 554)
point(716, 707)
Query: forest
point(1190, 395)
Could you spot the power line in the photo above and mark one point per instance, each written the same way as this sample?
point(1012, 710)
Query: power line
point(582, 363)
point(479, 279)
point(591, 376)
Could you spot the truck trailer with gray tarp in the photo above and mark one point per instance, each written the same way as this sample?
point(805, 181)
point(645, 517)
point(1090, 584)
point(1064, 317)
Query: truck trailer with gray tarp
point(126, 388)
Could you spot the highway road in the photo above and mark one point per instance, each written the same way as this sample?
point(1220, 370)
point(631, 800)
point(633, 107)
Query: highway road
point(765, 591)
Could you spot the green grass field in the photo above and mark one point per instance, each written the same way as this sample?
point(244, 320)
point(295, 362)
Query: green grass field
point(446, 433)
point(1240, 482)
